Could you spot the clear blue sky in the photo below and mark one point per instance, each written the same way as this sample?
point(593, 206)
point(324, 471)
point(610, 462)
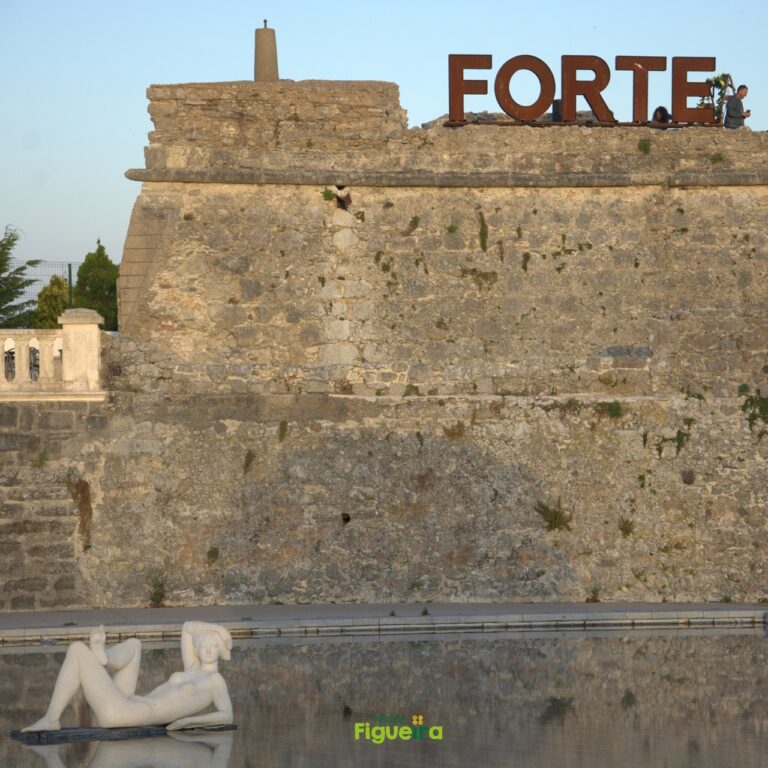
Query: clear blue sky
point(75, 73)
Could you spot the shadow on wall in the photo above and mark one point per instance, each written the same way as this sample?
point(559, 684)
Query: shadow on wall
point(297, 512)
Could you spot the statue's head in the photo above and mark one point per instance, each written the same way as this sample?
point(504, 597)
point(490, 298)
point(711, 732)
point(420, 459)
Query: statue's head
point(212, 646)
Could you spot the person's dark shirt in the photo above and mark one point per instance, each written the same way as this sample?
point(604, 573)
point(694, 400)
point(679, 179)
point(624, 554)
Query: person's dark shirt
point(734, 113)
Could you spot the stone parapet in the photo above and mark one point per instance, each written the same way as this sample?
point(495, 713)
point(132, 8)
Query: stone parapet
point(344, 127)
point(194, 118)
point(51, 364)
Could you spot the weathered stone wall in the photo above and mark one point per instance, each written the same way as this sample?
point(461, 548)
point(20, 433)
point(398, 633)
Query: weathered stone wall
point(352, 126)
point(46, 506)
point(637, 290)
point(210, 120)
point(255, 497)
point(312, 404)
point(246, 497)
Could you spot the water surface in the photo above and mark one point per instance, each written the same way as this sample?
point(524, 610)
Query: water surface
point(547, 700)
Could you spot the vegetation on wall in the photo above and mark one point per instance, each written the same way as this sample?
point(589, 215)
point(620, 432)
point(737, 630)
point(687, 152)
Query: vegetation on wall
point(755, 406)
point(555, 518)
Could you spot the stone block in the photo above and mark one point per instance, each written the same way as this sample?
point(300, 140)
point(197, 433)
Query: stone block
point(342, 218)
point(26, 418)
point(22, 603)
point(216, 372)
point(39, 489)
point(337, 330)
point(54, 510)
point(53, 420)
point(12, 509)
point(345, 239)
point(339, 354)
point(64, 584)
point(35, 527)
point(30, 584)
point(625, 351)
point(53, 552)
point(61, 600)
point(356, 288)
point(9, 548)
point(310, 335)
point(96, 423)
point(419, 374)
point(9, 415)
point(15, 441)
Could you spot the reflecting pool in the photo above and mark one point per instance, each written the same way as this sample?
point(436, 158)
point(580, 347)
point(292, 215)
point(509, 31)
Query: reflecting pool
point(530, 700)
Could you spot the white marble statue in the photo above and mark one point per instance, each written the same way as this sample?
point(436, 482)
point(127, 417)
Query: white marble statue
point(175, 704)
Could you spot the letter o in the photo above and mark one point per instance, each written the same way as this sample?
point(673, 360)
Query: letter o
point(546, 87)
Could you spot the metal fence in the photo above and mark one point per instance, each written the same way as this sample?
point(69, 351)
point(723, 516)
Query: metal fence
point(42, 274)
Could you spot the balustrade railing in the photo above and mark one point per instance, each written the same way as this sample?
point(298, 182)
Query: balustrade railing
point(61, 363)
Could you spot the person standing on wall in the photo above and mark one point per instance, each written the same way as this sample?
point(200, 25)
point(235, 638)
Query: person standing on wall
point(734, 110)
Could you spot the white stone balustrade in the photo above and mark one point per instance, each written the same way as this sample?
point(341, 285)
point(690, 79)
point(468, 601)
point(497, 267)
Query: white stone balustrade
point(53, 364)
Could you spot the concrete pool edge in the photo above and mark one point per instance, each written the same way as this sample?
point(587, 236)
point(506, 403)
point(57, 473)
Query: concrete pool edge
point(348, 619)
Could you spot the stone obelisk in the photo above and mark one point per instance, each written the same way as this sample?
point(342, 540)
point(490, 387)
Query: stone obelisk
point(265, 58)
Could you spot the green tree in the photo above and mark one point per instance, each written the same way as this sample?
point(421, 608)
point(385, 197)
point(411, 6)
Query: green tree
point(13, 283)
point(96, 286)
point(51, 302)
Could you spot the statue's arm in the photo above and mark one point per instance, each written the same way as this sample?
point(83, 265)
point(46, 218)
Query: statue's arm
point(221, 716)
point(188, 655)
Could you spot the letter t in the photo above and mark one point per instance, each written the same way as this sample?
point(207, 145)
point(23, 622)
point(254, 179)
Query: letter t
point(640, 66)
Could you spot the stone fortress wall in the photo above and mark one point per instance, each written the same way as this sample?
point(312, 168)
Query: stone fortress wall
point(316, 404)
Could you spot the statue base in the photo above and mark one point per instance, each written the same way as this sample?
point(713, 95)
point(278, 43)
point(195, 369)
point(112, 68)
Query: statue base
point(72, 735)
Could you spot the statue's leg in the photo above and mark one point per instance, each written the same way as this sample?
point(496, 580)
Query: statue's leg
point(125, 657)
point(50, 753)
point(82, 670)
point(80, 664)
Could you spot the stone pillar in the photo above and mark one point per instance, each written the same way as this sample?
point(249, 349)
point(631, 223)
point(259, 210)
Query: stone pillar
point(22, 361)
point(46, 376)
point(265, 58)
point(81, 349)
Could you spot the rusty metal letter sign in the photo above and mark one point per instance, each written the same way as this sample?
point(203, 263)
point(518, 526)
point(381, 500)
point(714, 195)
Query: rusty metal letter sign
point(572, 86)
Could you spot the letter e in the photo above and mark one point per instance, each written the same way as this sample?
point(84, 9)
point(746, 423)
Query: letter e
point(682, 89)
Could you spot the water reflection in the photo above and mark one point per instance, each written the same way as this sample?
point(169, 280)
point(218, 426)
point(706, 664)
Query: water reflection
point(530, 701)
point(187, 750)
